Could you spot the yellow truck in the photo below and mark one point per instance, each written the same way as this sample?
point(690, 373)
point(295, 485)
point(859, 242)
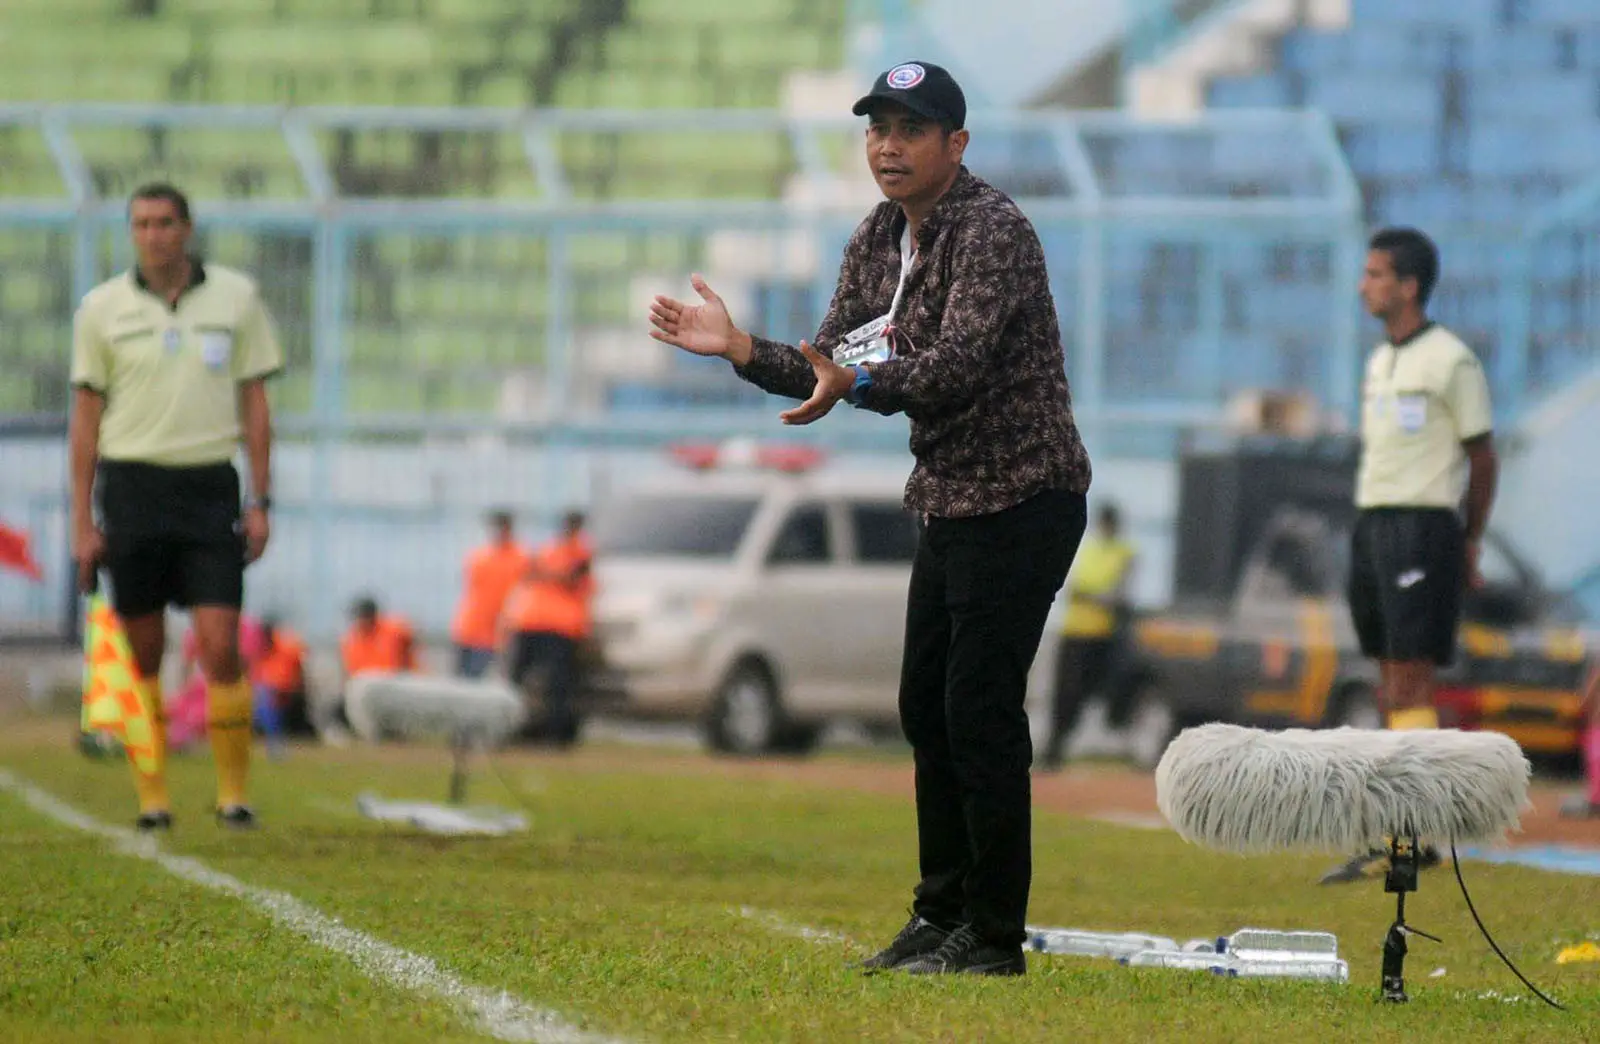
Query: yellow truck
point(1259, 629)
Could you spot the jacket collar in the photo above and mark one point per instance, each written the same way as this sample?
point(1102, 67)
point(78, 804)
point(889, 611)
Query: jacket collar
point(961, 191)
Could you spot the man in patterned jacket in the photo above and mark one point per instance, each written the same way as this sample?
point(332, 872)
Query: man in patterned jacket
point(943, 311)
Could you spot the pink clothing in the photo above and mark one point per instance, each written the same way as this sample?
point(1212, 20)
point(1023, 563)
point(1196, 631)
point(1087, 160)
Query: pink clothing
point(186, 709)
point(186, 714)
point(1591, 757)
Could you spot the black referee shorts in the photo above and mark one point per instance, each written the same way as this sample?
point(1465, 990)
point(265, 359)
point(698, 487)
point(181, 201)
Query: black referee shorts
point(1407, 572)
point(173, 536)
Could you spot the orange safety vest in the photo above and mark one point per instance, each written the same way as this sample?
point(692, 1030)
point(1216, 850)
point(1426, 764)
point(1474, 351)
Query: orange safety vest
point(555, 606)
point(386, 646)
point(282, 668)
point(492, 572)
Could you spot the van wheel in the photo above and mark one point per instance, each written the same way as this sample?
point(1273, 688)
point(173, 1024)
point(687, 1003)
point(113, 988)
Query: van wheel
point(745, 717)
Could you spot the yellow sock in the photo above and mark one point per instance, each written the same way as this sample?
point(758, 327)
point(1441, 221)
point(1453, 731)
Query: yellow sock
point(1414, 718)
point(228, 725)
point(153, 796)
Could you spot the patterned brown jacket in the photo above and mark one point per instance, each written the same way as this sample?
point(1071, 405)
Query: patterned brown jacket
point(979, 368)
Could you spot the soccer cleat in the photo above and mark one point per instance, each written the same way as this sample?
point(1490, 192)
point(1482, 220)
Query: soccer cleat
point(151, 822)
point(917, 939)
point(237, 817)
point(963, 952)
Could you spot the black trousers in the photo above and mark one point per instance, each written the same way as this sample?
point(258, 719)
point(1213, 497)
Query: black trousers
point(1085, 668)
point(557, 656)
point(980, 591)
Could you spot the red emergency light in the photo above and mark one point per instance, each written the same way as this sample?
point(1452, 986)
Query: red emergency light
point(707, 456)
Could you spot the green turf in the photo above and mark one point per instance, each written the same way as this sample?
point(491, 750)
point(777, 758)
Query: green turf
point(620, 910)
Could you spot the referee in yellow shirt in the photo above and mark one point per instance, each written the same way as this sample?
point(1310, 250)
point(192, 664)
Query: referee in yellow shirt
point(169, 362)
point(1424, 488)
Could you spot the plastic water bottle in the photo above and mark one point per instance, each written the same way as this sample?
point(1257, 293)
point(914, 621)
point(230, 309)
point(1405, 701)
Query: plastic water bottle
point(1095, 944)
point(1263, 953)
point(1187, 960)
point(1255, 953)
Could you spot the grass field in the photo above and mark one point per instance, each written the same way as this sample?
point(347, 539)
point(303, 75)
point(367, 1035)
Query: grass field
point(662, 897)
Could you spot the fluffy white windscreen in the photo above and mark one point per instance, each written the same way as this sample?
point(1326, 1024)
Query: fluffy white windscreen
point(1339, 790)
point(418, 705)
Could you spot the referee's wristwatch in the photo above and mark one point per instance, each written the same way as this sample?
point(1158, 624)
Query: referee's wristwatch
point(264, 503)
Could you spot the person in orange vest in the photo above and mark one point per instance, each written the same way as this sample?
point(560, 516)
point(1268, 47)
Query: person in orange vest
point(491, 572)
point(281, 672)
point(546, 618)
point(377, 642)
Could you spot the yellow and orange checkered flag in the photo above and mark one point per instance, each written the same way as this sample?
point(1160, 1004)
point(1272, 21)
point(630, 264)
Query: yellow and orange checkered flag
point(112, 701)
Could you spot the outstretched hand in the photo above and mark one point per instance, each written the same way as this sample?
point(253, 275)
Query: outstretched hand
point(833, 383)
point(704, 329)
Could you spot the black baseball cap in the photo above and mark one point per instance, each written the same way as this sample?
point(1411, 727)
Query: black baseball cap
point(924, 88)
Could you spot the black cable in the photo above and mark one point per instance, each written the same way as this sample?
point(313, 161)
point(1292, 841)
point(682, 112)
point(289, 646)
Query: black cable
point(1456, 860)
point(517, 793)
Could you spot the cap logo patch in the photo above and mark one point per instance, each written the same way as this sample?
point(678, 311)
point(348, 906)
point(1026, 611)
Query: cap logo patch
point(905, 77)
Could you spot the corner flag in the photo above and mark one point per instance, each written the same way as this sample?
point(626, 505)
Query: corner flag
point(112, 702)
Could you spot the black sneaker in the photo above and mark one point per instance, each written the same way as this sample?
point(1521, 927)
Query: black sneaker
point(917, 939)
point(963, 952)
point(238, 817)
point(151, 822)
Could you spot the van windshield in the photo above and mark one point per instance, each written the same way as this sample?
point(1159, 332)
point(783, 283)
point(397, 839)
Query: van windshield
point(658, 526)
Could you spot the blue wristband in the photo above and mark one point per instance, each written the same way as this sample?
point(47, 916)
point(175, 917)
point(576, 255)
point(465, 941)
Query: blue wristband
point(858, 390)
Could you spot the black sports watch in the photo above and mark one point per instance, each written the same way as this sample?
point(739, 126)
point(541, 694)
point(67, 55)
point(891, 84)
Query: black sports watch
point(264, 503)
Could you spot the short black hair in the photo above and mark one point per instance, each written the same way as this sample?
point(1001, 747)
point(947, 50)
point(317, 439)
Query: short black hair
point(163, 190)
point(573, 520)
point(1413, 256)
point(1110, 515)
point(502, 518)
point(365, 608)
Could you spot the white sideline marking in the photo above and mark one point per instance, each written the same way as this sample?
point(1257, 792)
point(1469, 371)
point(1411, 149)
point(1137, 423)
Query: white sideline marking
point(799, 931)
point(495, 1013)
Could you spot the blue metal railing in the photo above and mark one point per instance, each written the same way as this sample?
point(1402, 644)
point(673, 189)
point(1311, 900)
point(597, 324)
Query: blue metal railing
point(1097, 231)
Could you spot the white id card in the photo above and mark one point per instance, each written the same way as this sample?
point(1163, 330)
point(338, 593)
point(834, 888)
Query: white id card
point(1412, 412)
point(865, 344)
point(216, 348)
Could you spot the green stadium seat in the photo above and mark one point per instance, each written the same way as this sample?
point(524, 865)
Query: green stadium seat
point(25, 291)
point(291, 393)
point(436, 320)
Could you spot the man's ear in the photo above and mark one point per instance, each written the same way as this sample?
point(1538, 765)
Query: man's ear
point(958, 142)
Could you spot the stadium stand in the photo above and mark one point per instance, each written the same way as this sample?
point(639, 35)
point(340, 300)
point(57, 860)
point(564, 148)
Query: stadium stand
point(474, 302)
point(1464, 117)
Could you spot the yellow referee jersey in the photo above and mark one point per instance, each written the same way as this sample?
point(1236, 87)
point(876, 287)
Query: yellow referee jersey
point(170, 375)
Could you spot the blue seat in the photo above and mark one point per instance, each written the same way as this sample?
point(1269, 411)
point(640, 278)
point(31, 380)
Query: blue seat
point(1250, 92)
point(1564, 12)
point(1586, 47)
point(1391, 150)
point(1427, 12)
point(1359, 97)
point(1560, 100)
point(1534, 49)
point(1314, 53)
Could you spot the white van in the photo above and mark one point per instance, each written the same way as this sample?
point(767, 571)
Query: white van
point(761, 603)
